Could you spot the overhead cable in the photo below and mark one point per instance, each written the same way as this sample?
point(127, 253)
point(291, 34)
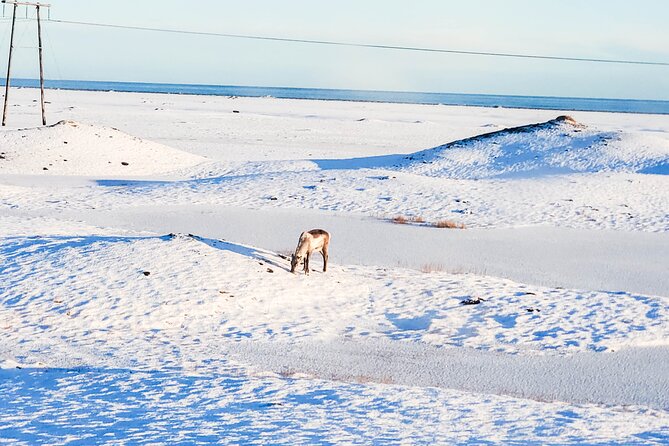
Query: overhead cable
point(365, 45)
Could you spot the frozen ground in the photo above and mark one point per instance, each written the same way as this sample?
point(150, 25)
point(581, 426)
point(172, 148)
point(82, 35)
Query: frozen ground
point(117, 326)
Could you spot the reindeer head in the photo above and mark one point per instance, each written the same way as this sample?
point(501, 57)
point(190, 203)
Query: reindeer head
point(294, 261)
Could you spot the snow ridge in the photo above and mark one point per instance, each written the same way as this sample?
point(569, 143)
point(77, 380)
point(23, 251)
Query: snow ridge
point(558, 146)
point(74, 148)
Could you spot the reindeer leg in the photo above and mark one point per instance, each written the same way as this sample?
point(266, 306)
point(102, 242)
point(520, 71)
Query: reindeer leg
point(325, 258)
point(306, 263)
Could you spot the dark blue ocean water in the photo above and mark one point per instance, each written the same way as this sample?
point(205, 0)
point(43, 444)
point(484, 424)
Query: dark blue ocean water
point(482, 100)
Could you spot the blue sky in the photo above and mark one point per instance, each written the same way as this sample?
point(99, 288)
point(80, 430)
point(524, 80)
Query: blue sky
point(594, 28)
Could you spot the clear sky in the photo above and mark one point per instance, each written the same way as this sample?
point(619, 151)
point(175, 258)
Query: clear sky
point(612, 29)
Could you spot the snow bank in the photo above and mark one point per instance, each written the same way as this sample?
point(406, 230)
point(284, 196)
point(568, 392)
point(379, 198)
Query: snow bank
point(74, 148)
point(558, 146)
point(123, 290)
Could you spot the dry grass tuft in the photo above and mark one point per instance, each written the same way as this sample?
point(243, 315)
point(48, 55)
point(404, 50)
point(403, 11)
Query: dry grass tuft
point(431, 268)
point(287, 372)
point(567, 119)
point(450, 224)
point(364, 379)
point(400, 220)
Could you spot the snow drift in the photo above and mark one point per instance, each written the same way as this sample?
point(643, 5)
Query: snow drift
point(560, 145)
point(73, 148)
point(124, 288)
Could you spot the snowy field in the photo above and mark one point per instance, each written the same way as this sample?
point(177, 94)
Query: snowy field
point(146, 296)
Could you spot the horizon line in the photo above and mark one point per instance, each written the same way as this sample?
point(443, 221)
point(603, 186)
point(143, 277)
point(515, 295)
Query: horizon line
point(405, 92)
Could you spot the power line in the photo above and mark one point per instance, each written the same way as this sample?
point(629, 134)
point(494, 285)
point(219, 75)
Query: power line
point(364, 45)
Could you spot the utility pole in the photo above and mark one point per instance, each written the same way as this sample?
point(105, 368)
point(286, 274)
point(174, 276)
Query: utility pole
point(9, 65)
point(41, 67)
point(11, 47)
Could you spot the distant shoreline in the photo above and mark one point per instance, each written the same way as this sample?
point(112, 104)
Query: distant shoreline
point(451, 99)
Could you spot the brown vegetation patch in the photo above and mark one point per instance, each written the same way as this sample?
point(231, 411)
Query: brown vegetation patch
point(400, 220)
point(568, 119)
point(431, 268)
point(450, 224)
point(364, 379)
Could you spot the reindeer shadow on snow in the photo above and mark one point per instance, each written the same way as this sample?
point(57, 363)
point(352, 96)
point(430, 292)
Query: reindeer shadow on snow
point(246, 251)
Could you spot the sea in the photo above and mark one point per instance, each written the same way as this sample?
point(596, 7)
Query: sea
point(404, 97)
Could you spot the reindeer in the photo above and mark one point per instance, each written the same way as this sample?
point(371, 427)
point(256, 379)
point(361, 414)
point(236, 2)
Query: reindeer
point(310, 241)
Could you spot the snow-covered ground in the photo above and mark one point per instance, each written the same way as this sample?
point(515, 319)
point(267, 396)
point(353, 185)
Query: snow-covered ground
point(146, 294)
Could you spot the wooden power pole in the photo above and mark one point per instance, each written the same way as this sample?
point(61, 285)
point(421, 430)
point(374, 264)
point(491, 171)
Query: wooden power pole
point(9, 65)
point(41, 66)
point(11, 47)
